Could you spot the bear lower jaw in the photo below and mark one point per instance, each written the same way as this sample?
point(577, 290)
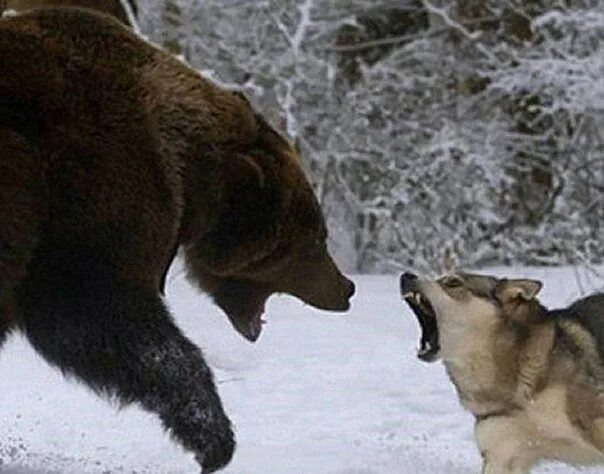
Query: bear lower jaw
point(249, 325)
point(254, 328)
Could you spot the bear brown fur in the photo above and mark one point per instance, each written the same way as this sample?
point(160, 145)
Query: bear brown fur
point(113, 156)
point(112, 7)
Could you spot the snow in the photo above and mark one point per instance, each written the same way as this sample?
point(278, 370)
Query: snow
point(318, 394)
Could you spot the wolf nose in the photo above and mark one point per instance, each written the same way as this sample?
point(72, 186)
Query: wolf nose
point(406, 279)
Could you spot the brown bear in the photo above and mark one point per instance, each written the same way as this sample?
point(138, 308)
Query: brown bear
point(114, 155)
point(117, 8)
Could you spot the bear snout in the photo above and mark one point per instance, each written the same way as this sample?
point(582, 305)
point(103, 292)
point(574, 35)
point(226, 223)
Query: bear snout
point(334, 297)
point(350, 288)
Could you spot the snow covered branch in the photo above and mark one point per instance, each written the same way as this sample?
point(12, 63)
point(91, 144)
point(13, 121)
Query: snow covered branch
point(433, 130)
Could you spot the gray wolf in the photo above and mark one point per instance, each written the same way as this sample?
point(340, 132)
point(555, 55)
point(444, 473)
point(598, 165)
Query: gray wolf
point(533, 378)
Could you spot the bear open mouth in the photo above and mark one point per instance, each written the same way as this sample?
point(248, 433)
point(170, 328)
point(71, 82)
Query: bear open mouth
point(421, 307)
point(255, 326)
point(250, 325)
point(244, 304)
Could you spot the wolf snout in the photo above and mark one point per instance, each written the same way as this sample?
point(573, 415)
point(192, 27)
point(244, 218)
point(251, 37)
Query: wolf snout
point(408, 282)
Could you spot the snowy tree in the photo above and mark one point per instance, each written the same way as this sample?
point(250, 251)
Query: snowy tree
point(433, 130)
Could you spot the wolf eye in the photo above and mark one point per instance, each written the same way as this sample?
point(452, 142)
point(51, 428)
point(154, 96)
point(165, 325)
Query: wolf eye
point(452, 282)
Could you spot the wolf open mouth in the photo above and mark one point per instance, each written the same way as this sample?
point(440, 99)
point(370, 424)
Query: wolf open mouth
point(429, 345)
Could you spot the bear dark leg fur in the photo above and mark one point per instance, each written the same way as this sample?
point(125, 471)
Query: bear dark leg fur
point(121, 340)
point(3, 331)
point(21, 210)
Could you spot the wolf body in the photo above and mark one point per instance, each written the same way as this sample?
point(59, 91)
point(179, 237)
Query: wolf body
point(532, 377)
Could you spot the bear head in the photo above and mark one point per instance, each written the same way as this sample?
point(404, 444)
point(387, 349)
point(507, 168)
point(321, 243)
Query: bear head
point(267, 236)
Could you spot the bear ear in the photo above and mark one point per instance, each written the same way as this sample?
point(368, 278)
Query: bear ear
point(247, 219)
point(241, 170)
point(522, 289)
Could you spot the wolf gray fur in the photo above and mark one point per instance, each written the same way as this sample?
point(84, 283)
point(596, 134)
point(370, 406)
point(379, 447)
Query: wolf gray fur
point(532, 377)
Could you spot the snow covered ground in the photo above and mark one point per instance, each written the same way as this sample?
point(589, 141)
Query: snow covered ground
point(318, 394)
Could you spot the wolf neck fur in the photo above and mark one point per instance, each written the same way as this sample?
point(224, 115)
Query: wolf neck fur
point(501, 368)
point(474, 369)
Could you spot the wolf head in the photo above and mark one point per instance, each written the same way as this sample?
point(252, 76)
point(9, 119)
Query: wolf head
point(458, 307)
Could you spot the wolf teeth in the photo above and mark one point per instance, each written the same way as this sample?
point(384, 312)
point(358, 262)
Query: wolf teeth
point(409, 296)
point(414, 296)
point(418, 298)
point(426, 349)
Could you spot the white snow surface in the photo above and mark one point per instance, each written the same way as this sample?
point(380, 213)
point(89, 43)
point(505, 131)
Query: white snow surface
point(318, 394)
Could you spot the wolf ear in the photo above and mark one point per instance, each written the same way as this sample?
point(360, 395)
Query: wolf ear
point(523, 289)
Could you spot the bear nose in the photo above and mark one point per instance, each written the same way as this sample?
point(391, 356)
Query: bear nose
point(406, 279)
point(350, 289)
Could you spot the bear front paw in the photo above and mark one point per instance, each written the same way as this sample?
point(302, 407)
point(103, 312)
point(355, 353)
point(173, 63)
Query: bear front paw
point(217, 453)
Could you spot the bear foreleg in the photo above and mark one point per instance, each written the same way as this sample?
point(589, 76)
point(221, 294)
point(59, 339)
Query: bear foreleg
point(22, 208)
point(120, 339)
